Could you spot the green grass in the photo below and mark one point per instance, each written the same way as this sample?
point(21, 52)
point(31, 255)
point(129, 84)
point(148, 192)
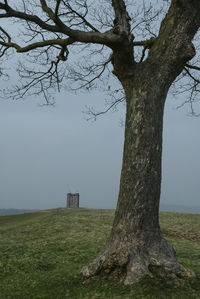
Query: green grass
point(41, 255)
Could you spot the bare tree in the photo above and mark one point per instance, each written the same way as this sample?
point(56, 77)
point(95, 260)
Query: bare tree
point(147, 47)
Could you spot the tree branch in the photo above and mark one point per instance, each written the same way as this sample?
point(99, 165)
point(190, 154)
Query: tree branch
point(145, 43)
point(107, 38)
point(57, 7)
point(61, 42)
point(11, 13)
point(173, 47)
point(81, 17)
point(191, 76)
point(193, 67)
point(122, 18)
point(48, 10)
point(92, 73)
point(94, 114)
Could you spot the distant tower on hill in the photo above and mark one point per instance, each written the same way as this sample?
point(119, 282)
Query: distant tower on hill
point(72, 200)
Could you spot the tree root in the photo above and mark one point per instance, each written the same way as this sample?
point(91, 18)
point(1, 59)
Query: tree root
point(133, 262)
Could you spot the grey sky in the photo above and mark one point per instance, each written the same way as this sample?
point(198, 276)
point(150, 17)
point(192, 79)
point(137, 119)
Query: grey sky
point(49, 151)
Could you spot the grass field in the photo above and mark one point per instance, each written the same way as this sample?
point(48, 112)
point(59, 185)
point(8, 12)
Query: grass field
point(42, 253)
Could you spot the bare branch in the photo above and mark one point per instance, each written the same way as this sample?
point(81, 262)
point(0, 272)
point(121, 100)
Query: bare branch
point(93, 114)
point(62, 42)
point(122, 18)
point(107, 38)
point(48, 10)
point(50, 30)
point(81, 17)
point(11, 13)
point(146, 43)
point(194, 67)
point(91, 74)
point(6, 33)
point(143, 54)
point(191, 76)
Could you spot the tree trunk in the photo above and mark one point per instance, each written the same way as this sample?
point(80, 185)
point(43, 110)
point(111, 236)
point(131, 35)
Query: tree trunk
point(136, 244)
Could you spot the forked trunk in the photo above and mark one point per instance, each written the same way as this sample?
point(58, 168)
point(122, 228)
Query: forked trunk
point(136, 243)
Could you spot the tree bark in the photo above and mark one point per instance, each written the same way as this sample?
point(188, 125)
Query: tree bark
point(136, 243)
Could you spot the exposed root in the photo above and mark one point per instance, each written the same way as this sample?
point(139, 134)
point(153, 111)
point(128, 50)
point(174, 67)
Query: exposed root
point(137, 268)
point(107, 262)
point(132, 263)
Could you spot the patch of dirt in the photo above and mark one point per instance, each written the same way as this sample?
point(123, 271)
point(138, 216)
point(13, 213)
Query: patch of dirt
point(183, 235)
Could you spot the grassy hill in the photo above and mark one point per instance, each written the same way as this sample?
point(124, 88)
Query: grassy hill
point(41, 255)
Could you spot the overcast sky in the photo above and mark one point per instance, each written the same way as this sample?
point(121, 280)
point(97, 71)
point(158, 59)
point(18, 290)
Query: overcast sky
point(49, 151)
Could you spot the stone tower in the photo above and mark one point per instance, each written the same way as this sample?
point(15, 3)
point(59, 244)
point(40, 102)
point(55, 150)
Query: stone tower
point(72, 200)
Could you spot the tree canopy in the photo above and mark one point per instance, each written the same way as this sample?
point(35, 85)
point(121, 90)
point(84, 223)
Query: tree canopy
point(70, 44)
